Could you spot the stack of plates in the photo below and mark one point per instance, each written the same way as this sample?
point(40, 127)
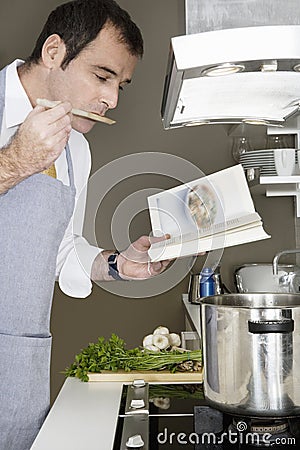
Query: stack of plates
point(262, 159)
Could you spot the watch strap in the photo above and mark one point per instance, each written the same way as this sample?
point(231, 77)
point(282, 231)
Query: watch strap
point(113, 267)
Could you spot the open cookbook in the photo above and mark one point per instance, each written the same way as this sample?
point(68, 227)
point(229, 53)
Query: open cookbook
point(210, 213)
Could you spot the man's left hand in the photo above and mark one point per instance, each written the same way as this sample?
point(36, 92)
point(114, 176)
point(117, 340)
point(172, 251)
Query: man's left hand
point(134, 262)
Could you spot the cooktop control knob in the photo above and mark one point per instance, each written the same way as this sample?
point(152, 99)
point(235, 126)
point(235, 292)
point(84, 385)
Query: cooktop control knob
point(138, 383)
point(137, 403)
point(135, 441)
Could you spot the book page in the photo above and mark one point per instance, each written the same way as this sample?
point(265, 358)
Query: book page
point(254, 232)
point(231, 226)
point(202, 206)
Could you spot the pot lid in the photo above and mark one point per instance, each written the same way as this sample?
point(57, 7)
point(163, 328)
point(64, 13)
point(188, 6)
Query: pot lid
point(255, 300)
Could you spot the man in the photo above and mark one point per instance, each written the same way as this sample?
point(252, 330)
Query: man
point(86, 53)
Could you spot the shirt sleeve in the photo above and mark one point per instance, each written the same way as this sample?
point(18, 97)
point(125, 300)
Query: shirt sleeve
point(76, 255)
point(74, 277)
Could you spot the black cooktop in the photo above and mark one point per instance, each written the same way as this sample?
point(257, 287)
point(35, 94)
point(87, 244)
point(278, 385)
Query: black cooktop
point(178, 417)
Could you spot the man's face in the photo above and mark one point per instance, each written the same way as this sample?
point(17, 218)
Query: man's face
point(92, 81)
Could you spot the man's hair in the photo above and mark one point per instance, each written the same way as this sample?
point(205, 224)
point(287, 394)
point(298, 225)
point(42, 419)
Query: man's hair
point(79, 22)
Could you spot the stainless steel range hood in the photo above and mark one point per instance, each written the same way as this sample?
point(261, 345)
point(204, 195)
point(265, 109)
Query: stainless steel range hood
point(240, 73)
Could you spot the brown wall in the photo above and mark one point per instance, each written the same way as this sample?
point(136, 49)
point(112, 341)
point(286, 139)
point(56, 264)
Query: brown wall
point(77, 322)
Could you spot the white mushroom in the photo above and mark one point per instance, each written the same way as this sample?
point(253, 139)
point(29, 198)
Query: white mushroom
point(161, 330)
point(161, 341)
point(152, 348)
point(148, 340)
point(162, 402)
point(174, 339)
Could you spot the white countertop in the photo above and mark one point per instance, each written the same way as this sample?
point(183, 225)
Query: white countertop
point(84, 415)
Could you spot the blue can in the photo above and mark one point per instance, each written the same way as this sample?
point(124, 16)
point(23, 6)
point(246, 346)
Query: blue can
point(207, 282)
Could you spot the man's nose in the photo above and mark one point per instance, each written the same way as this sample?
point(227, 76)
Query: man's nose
point(111, 97)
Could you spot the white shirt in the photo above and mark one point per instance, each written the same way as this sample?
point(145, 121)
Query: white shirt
point(75, 256)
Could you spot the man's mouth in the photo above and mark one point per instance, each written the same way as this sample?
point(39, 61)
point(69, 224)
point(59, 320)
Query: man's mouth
point(100, 109)
point(93, 116)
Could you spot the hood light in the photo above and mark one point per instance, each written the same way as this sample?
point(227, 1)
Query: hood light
point(261, 122)
point(198, 122)
point(255, 121)
point(222, 69)
point(270, 66)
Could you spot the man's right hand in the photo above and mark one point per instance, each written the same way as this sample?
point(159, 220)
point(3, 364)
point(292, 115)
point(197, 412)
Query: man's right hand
point(39, 141)
point(43, 136)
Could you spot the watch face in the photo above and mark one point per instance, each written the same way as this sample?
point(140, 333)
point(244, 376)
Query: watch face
point(203, 205)
point(112, 258)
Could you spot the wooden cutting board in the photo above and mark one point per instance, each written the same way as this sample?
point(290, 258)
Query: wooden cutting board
point(148, 376)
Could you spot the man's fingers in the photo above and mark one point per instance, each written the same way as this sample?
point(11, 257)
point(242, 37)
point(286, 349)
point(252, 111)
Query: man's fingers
point(158, 266)
point(154, 239)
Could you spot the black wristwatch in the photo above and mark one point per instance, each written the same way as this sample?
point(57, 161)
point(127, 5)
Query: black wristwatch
point(112, 266)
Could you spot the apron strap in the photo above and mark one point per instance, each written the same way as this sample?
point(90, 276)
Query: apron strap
point(70, 167)
point(2, 93)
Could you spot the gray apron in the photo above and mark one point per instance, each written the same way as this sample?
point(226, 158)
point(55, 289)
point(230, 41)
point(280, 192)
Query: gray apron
point(33, 218)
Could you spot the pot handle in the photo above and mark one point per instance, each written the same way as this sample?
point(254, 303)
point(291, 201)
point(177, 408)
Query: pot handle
point(271, 326)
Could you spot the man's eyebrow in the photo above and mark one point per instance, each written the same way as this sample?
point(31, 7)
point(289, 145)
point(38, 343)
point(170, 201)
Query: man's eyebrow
point(112, 72)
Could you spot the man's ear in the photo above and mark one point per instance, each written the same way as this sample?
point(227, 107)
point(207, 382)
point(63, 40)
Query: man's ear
point(53, 51)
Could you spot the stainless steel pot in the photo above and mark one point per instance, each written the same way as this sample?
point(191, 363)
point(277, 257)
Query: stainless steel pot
point(259, 277)
point(251, 349)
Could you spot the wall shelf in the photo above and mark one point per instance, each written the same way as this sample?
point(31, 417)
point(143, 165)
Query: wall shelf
point(274, 186)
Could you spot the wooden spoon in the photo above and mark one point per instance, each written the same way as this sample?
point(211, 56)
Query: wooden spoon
point(77, 112)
